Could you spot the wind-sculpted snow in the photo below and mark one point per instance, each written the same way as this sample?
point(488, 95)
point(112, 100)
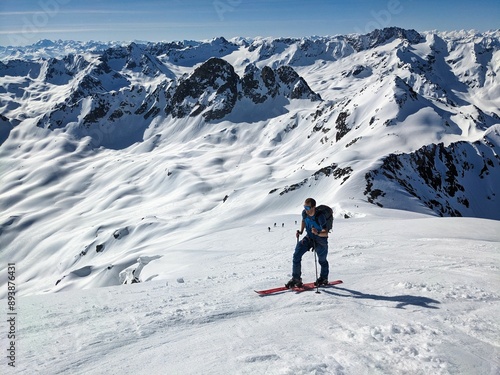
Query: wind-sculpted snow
point(448, 180)
point(160, 142)
point(174, 175)
point(420, 296)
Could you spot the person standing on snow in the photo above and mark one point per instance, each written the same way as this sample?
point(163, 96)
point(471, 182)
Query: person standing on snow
point(315, 224)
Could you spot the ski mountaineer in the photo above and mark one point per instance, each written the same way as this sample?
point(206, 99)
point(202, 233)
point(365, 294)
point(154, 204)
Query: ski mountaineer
point(314, 222)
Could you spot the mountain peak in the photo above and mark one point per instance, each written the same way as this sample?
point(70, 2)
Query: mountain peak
point(344, 101)
point(113, 149)
point(214, 88)
point(379, 37)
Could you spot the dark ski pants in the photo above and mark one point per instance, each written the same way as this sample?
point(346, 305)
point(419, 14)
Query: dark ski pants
point(303, 246)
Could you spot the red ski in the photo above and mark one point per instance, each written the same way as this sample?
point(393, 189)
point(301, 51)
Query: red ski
point(308, 286)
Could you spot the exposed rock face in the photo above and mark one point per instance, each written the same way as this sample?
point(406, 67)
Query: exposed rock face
point(211, 90)
point(101, 92)
point(259, 85)
point(214, 88)
point(445, 179)
point(398, 88)
point(380, 36)
point(296, 87)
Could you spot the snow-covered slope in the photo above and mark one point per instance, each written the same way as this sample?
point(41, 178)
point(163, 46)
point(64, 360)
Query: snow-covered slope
point(154, 141)
point(184, 166)
point(420, 296)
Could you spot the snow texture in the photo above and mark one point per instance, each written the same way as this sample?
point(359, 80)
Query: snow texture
point(420, 296)
point(147, 189)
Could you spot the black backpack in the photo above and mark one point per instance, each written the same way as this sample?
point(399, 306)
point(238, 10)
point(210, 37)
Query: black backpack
point(328, 212)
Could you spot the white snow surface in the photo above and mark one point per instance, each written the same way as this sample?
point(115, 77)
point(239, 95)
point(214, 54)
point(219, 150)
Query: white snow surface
point(185, 206)
point(420, 296)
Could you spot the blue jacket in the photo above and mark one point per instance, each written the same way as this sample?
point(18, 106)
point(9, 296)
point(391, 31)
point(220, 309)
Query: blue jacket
point(317, 221)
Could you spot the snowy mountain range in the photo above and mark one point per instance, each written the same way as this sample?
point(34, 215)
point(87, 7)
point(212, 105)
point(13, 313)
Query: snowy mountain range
point(394, 118)
point(184, 166)
point(397, 88)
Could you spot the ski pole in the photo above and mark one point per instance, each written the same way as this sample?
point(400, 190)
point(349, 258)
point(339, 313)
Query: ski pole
point(316, 265)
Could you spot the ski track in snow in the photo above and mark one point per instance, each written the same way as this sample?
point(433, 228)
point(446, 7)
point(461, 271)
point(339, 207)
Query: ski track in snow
point(411, 303)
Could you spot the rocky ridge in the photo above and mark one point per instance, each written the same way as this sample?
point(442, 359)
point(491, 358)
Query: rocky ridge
point(412, 98)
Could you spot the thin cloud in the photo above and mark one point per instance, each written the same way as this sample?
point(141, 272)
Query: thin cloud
point(108, 28)
point(63, 30)
point(76, 11)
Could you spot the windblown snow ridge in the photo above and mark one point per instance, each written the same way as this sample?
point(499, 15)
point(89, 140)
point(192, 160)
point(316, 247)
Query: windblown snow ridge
point(456, 180)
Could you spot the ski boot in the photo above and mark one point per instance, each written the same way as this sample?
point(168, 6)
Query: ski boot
point(294, 283)
point(321, 281)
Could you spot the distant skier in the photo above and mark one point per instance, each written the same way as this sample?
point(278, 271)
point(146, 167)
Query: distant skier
point(317, 223)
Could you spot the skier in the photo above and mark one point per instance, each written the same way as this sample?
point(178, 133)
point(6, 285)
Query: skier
point(315, 224)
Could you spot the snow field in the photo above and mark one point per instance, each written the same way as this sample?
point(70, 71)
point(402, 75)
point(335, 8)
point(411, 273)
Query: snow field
point(89, 201)
point(420, 296)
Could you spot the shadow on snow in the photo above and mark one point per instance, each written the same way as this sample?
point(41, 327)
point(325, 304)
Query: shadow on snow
point(402, 300)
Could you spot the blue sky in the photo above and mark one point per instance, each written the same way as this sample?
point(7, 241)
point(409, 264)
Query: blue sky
point(27, 21)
